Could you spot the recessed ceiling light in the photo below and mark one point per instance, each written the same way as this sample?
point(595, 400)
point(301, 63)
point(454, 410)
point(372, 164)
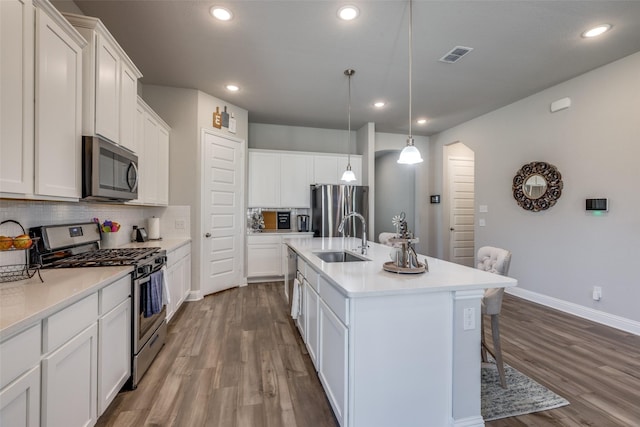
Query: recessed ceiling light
point(421, 121)
point(221, 13)
point(596, 31)
point(379, 104)
point(233, 88)
point(348, 13)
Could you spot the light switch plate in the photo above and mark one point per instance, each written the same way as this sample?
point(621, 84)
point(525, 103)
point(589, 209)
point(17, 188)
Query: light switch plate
point(484, 208)
point(482, 222)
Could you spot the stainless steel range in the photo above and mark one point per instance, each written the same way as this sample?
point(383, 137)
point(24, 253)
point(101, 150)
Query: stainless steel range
point(78, 245)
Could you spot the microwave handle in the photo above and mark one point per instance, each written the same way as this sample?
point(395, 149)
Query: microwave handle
point(133, 165)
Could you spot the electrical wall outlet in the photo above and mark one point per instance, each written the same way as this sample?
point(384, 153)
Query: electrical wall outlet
point(179, 224)
point(597, 293)
point(469, 320)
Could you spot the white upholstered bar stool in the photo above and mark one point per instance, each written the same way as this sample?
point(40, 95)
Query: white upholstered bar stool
point(385, 237)
point(493, 260)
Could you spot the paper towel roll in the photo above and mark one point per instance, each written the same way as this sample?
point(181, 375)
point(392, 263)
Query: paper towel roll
point(153, 228)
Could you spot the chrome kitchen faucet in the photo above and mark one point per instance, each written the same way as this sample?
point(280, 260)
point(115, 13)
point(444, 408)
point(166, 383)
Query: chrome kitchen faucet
point(364, 229)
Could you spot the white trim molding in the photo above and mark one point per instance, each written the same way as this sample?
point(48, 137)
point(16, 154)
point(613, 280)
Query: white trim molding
point(469, 422)
point(597, 316)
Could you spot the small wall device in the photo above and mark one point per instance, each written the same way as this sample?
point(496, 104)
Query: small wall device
point(597, 205)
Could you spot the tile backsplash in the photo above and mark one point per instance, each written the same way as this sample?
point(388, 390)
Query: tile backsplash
point(174, 220)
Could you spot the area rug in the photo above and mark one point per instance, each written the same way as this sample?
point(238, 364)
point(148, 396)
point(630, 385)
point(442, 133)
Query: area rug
point(522, 396)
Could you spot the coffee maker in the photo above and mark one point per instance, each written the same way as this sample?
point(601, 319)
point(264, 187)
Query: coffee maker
point(303, 222)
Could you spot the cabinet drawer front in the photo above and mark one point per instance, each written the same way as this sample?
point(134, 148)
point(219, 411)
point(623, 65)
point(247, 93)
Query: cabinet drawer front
point(19, 353)
point(178, 254)
point(264, 239)
point(312, 277)
point(337, 302)
point(114, 294)
point(60, 327)
point(302, 266)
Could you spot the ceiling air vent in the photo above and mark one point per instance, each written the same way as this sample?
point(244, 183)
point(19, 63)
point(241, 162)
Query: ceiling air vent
point(455, 54)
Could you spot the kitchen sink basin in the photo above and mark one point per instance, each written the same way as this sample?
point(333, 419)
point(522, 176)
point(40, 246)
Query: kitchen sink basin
point(339, 256)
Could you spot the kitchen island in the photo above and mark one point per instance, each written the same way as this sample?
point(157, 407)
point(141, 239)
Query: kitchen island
point(392, 349)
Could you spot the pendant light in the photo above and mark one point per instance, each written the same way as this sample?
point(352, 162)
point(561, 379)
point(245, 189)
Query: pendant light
point(348, 175)
point(410, 154)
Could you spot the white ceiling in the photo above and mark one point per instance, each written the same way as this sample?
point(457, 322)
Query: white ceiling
point(288, 57)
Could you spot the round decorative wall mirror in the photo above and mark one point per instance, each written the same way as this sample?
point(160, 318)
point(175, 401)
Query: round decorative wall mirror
point(537, 186)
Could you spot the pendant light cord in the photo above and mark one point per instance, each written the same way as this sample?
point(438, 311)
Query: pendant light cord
point(410, 66)
point(349, 72)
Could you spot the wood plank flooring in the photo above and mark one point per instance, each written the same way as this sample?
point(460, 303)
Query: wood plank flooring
point(594, 367)
point(231, 359)
point(235, 359)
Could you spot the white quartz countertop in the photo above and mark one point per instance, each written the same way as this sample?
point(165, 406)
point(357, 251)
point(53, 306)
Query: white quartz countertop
point(271, 232)
point(166, 244)
point(362, 279)
point(24, 302)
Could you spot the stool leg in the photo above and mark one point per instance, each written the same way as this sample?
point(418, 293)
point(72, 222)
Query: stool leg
point(483, 343)
point(495, 332)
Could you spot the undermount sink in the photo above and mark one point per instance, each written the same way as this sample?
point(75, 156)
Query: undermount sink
point(339, 256)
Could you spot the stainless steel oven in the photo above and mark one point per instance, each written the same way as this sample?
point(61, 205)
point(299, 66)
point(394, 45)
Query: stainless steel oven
point(149, 330)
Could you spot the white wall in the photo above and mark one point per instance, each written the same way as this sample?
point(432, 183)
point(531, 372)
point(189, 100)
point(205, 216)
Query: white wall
point(395, 186)
point(563, 252)
point(187, 111)
point(296, 138)
point(422, 174)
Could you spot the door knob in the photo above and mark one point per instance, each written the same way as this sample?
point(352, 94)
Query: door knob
point(452, 229)
point(207, 235)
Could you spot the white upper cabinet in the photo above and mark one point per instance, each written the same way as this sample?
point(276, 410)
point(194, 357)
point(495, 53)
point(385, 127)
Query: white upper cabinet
point(296, 176)
point(282, 179)
point(128, 107)
point(264, 179)
point(325, 169)
point(58, 113)
point(328, 169)
point(110, 84)
point(16, 95)
point(153, 156)
point(41, 61)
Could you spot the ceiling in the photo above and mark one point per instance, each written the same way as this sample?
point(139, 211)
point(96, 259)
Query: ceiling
point(289, 57)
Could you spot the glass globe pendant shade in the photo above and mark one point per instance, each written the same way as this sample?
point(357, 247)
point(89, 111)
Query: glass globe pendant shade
point(348, 175)
point(410, 154)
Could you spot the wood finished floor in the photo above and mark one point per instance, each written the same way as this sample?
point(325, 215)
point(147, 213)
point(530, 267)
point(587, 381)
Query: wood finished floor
point(234, 359)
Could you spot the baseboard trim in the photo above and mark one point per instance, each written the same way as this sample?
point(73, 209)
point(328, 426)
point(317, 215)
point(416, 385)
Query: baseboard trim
point(618, 322)
point(194, 296)
point(469, 422)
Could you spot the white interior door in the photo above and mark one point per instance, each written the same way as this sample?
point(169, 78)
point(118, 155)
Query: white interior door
point(461, 211)
point(223, 224)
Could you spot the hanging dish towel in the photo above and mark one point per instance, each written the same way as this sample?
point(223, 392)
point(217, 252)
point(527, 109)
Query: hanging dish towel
point(166, 297)
point(295, 299)
point(153, 298)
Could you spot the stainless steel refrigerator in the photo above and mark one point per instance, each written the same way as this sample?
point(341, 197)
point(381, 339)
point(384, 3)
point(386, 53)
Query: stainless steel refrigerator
point(330, 203)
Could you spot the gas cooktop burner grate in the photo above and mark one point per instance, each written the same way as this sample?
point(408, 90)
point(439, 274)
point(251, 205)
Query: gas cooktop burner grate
point(105, 258)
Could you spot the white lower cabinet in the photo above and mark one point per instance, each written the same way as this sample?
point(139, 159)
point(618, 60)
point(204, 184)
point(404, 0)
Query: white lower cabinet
point(312, 308)
point(20, 379)
point(301, 319)
point(264, 256)
point(20, 401)
point(114, 358)
point(67, 368)
point(69, 383)
point(178, 278)
point(334, 356)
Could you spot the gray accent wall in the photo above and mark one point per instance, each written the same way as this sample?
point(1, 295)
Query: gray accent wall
point(395, 188)
point(564, 251)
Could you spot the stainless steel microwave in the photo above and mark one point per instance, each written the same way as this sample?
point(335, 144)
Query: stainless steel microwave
point(109, 172)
